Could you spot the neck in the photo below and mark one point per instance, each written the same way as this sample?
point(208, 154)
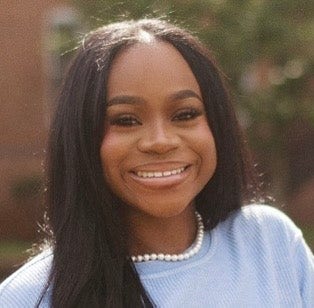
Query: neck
point(171, 235)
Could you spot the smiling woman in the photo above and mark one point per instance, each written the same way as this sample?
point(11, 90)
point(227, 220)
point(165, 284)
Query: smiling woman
point(147, 181)
point(159, 127)
point(158, 151)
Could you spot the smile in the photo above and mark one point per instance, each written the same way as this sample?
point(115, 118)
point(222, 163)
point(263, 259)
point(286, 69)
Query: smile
point(159, 174)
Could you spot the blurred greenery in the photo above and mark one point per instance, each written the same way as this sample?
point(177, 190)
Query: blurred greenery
point(242, 33)
point(308, 233)
point(12, 256)
point(265, 47)
point(12, 249)
point(26, 187)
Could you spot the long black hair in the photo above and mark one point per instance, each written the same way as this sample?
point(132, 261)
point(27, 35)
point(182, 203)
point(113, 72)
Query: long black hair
point(90, 266)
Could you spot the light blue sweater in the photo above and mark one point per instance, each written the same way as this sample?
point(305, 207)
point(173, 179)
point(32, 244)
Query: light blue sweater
point(256, 258)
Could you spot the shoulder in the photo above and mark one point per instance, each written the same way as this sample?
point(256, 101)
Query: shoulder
point(268, 250)
point(260, 235)
point(24, 287)
point(262, 223)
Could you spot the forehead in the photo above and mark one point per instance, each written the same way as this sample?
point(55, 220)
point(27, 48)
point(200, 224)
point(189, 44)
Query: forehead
point(155, 65)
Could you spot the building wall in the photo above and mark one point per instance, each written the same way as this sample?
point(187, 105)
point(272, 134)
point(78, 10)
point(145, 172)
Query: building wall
point(23, 111)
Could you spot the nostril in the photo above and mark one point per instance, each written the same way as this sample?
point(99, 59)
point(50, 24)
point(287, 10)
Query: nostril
point(158, 145)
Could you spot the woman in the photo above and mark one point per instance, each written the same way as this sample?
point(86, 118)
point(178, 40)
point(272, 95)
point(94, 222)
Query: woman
point(145, 154)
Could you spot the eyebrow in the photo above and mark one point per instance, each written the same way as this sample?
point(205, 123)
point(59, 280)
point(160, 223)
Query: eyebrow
point(128, 99)
point(183, 94)
point(125, 99)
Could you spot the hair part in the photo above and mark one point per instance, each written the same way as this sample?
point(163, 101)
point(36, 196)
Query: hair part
point(90, 258)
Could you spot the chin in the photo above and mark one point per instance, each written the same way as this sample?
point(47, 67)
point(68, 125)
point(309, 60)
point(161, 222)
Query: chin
point(162, 209)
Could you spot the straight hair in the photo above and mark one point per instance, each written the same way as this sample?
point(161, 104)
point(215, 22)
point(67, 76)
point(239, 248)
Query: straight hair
point(91, 265)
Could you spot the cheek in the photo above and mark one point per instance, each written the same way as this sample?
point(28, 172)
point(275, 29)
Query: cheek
point(210, 157)
point(112, 152)
point(207, 152)
point(210, 147)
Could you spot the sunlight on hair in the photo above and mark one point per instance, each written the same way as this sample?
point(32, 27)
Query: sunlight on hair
point(145, 37)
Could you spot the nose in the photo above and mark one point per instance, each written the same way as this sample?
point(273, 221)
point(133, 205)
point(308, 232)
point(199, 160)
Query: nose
point(158, 138)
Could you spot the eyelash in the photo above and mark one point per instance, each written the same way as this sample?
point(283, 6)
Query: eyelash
point(129, 120)
point(125, 120)
point(187, 114)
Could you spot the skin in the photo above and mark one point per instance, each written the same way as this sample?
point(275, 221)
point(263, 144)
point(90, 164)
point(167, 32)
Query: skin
point(156, 122)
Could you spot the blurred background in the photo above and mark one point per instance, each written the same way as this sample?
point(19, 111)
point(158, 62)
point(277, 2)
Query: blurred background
point(265, 47)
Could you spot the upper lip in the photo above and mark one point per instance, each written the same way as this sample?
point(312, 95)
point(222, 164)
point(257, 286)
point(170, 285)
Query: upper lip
point(159, 166)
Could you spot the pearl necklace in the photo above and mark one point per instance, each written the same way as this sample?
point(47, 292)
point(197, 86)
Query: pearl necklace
point(193, 250)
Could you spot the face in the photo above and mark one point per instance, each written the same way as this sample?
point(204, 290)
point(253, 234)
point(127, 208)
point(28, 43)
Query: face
point(158, 151)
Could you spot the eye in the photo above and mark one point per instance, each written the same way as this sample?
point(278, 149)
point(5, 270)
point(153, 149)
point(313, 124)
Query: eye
point(124, 120)
point(187, 114)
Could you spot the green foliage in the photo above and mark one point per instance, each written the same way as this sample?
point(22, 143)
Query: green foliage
point(264, 46)
point(308, 233)
point(12, 249)
point(26, 187)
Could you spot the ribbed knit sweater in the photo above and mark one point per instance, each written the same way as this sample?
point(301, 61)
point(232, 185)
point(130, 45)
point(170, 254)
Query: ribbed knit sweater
point(255, 258)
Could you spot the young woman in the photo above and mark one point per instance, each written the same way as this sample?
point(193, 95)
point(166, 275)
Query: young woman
point(147, 181)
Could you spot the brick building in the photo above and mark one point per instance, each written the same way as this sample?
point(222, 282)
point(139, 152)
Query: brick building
point(29, 72)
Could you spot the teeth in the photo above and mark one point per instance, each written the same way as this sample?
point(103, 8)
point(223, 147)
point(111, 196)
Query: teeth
point(159, 174)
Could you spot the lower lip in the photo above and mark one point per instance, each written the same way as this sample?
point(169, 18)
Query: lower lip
point(162, 182)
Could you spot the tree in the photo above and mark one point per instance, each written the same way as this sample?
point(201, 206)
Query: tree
point(265, 47)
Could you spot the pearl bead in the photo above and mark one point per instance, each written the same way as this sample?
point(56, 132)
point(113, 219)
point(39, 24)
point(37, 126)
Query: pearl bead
point(180, 257)
point(161, 256)
point(198, 246)
point(167, 257)
point(194, 249)
point(174, 258)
